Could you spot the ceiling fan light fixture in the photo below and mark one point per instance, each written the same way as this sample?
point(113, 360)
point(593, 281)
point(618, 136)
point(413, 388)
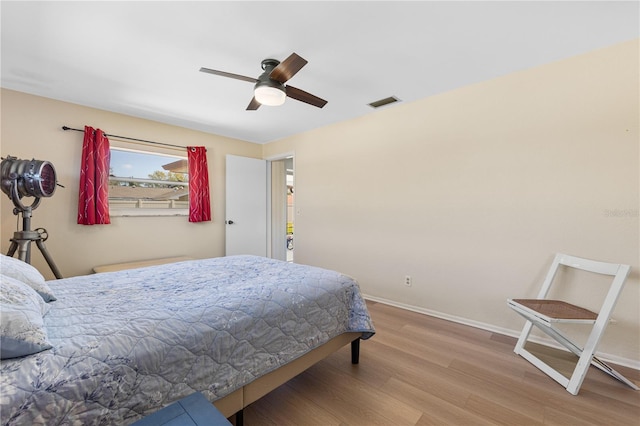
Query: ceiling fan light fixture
point(268, 93)
point(269, 88)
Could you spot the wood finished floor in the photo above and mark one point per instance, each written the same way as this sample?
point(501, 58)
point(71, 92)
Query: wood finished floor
point(420, 370)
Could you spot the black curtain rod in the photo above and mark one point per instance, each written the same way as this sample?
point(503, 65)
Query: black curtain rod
point(130, 139)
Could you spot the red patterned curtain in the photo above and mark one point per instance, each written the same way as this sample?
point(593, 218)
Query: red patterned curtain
point(199, 200)
point(93, 200)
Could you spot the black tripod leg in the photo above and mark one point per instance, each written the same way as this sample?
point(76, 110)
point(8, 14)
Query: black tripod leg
point(49, 259)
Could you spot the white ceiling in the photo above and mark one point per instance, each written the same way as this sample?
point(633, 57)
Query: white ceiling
point(143, 58)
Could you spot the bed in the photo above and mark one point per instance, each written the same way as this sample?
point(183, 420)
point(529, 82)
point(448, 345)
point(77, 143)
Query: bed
point(117, 346)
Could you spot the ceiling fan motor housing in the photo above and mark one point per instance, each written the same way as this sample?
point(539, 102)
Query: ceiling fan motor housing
point(267, 90)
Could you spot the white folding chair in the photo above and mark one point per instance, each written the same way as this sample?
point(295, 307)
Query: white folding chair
point(547, 314)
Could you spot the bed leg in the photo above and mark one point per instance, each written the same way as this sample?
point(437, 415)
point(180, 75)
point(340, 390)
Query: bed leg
point(240, 418)
point(355, 351)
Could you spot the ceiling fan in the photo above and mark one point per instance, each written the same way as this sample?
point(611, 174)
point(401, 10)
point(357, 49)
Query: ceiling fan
point(270, 88)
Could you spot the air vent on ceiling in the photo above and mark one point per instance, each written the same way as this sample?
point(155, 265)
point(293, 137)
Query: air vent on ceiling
point(383, 102)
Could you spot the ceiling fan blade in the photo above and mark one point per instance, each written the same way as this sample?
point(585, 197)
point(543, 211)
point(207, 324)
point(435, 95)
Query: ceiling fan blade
point(253, 105)
point(230, 75)
point(287, 68)
point(302, 96)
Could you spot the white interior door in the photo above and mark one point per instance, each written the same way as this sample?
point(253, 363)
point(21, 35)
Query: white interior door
point(246, 206)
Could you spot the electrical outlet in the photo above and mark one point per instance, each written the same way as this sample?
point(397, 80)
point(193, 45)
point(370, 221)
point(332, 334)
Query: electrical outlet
point(407, 280)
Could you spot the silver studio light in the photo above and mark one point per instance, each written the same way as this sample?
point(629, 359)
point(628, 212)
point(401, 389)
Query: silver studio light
point(28, 178)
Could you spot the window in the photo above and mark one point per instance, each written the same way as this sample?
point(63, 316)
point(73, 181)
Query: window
point(145, 183)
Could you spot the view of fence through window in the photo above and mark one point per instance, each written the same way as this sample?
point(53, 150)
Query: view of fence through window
point(146, 180)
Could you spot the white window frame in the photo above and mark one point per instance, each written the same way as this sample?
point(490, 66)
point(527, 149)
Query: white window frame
point(146, 211)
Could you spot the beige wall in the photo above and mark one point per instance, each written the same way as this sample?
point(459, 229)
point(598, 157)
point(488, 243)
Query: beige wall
point(472, 192)
point(31, 127)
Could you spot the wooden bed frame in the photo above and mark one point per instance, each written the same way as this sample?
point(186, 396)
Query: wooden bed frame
point(236, 401)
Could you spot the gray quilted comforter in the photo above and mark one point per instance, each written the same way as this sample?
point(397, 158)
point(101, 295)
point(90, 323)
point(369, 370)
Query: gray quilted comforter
point(127, 343)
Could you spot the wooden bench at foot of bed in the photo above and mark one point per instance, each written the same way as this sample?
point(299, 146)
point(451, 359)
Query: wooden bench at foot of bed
point(138, 264)
point(236, 401)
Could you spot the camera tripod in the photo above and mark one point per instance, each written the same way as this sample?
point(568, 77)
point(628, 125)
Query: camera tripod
point(22, 240)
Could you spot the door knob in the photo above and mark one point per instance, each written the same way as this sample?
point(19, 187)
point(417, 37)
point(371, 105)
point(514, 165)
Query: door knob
point(229, 222)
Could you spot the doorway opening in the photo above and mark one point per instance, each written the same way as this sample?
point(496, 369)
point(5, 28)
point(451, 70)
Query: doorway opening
point(282, 208)
point(289, 177)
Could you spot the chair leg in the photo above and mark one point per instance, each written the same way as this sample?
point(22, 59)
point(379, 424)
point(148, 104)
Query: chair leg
point(610, 371)
point(579, 372)
point(587, 354)
point(524, 335)
point(544, 367)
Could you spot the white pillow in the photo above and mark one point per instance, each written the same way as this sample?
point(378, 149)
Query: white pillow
point(21, 325)
point(22, 271)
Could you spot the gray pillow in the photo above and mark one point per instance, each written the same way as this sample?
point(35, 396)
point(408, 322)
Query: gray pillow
point(21, 325)
point(22, 271)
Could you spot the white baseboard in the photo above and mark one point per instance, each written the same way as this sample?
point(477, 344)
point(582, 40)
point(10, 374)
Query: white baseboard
point(626, 362)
